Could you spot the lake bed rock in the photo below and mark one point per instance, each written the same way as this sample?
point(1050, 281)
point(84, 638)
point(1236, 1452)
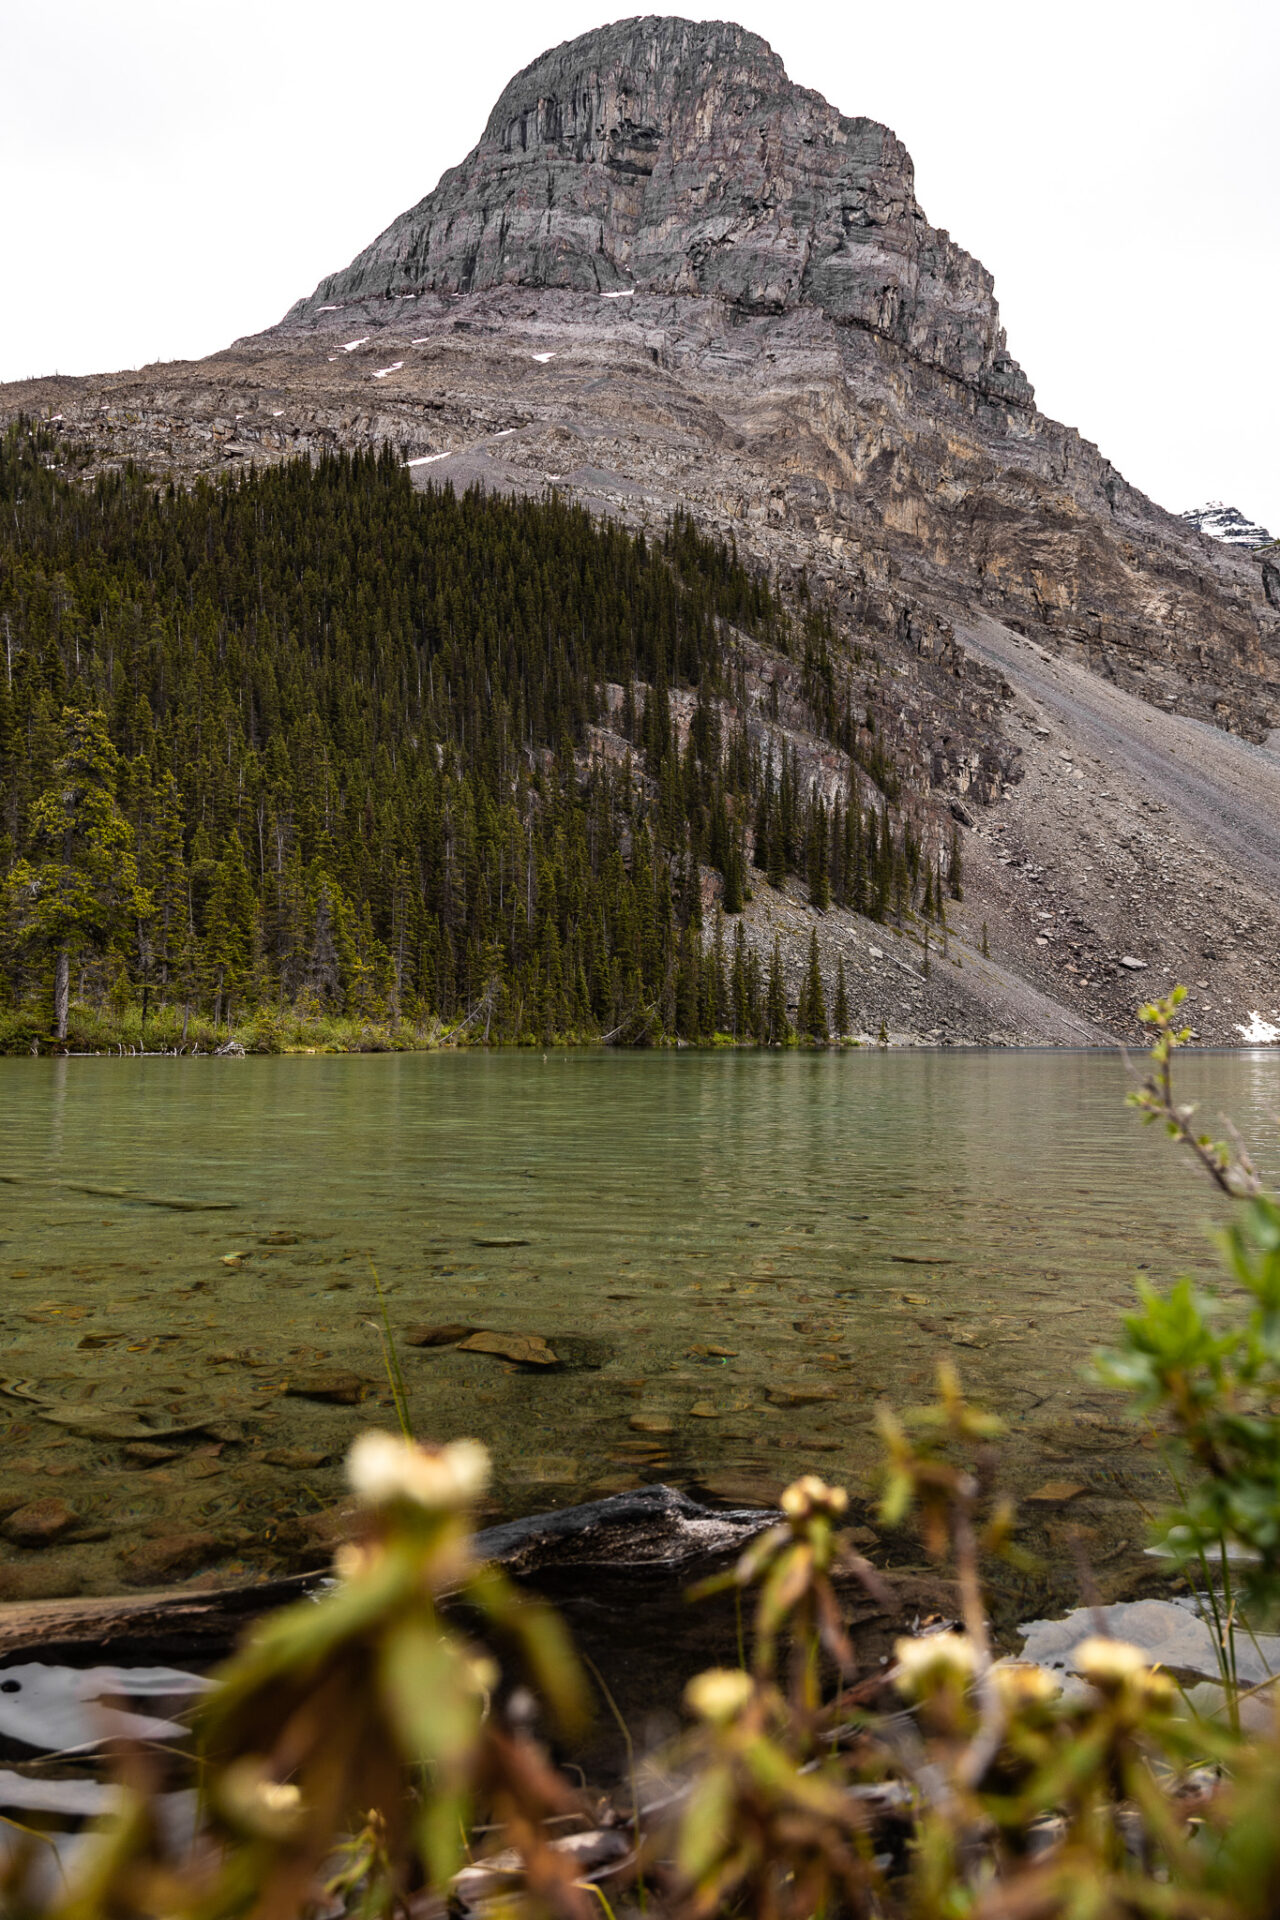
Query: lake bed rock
point(143, 1453)
point(799, 1394)
point(334, 1385)
point(447, 1335)
point(1056, 1493)
point(525, 1349)
point(171, 1556)
point(39, 1523)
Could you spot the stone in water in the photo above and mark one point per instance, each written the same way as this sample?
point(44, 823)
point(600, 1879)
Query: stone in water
point(342, 1389)
point(447, 1335)
point(39, 1524)
point(526, 1349)
point(1056, 1493)
point(799, 1395)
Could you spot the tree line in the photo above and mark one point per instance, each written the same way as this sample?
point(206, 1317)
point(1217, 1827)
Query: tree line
point(308, 742)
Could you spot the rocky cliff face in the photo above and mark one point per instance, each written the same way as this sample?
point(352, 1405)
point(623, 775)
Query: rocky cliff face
point(669, 156)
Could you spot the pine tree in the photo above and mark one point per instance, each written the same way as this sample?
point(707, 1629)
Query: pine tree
point(955, 868)
point(818, 860)
point(842, 999)
point(735, 874)
point(740, 1020)
point(81, 888)
point(172, 915)
point(229, 927)
point(814, 1021)
point(777, 1025)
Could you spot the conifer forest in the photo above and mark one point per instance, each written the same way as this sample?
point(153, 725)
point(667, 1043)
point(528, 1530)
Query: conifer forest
point(307, 749)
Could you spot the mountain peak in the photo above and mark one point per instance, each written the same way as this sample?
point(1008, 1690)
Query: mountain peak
point(671, 53)
point(675, 157)
point(1225, 523)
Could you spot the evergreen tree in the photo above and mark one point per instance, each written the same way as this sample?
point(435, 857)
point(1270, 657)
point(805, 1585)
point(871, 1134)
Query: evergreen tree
point(777, 1025)
point(819, 856)
point(80, 888)
point(842, 999)
point(955, 872)
point(229, 927)
point(813, 1022)
point(172, 904)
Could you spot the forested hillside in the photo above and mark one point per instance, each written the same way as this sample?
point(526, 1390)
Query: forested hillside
point(308, 745)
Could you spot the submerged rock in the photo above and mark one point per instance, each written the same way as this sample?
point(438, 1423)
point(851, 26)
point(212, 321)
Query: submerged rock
point(582, 1354)
point(334, 1385)
point(171, 1557)
point(143, 1453)
point(447, 1335)
point(120, 1423)
point(740, 1489)
point(526, 1349)
point(1171, 1633)
point(39, 1523)
point(296, 1459)
point(799, 1394)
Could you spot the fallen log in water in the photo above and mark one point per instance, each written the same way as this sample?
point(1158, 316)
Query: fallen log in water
point(652, 1527)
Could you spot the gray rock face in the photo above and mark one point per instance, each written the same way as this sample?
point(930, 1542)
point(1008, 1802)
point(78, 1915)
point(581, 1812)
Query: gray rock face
point(673, 156)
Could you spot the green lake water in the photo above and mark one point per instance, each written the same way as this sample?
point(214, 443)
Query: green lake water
point(186, 1244)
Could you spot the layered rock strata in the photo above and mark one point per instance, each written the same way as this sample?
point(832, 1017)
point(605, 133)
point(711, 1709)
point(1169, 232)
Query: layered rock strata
point(675, 157)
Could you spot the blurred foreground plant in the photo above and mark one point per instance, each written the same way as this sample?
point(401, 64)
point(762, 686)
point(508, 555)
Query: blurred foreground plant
point(1214, 1389)
point(367, 1714)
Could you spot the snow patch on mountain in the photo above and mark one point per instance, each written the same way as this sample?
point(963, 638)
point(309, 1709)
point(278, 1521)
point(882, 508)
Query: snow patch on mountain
point(1221, 522)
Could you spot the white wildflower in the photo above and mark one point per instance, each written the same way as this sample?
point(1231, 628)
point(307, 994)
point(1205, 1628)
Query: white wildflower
point(271, 1809)
point(383, 1470)
point(1099, 1658)
point(719, 1694)
point(1020, 1683)
point(1115, 1665)
point(809, 1495)
point(933, 1660)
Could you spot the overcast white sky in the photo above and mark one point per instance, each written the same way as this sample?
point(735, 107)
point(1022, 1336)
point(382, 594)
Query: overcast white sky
point(176, 175)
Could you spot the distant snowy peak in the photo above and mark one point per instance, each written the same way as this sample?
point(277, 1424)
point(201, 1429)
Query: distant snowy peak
point(1227, 523)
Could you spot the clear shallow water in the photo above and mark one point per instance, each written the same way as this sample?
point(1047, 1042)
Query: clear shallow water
point(836, 1223)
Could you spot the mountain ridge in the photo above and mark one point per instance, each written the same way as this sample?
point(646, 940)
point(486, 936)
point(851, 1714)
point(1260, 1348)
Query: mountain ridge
point(1054, 655)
